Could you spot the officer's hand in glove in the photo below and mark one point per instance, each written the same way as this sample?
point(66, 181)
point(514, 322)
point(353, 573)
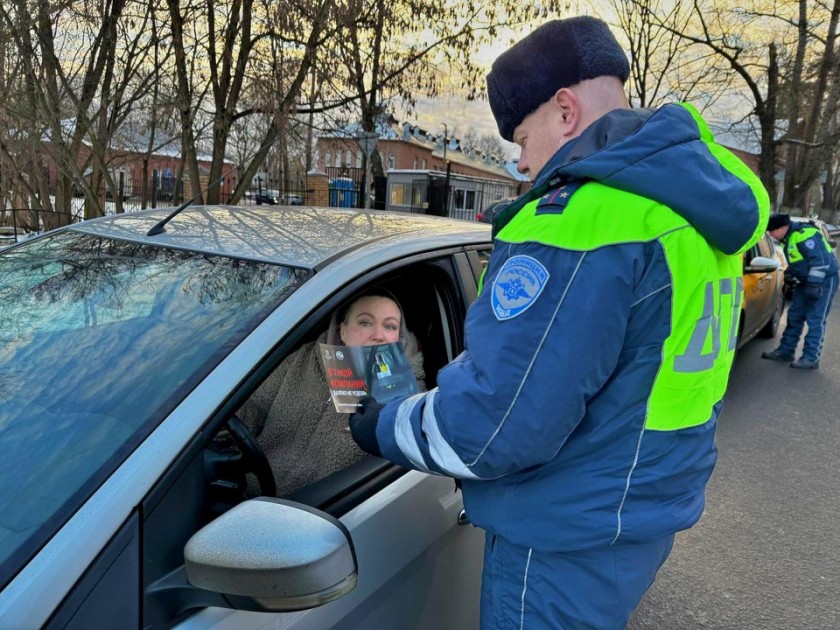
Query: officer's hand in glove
point(813, 291)
point(363, 425)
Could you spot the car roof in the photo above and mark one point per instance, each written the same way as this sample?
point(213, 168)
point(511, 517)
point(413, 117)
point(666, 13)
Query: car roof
point(297, 236)
point(815, 221)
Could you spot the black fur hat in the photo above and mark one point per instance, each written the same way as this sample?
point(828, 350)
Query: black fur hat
point(777, 220)
point(558, 54)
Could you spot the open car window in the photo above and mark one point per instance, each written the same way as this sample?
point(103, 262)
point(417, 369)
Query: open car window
point(291, 413)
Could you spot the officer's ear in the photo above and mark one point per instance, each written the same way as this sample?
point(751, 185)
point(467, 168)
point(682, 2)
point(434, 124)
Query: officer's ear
point(568, 112)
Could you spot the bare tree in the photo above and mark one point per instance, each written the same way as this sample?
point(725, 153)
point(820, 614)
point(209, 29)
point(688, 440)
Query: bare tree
point(784, 55)
point(80, 79)
point(402, 49)
point(662, 67)
point(812, 119)
point(487, 143)
point(744, 54)
point(253, 57)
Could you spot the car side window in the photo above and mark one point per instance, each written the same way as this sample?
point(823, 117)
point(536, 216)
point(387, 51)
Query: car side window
point(766, 247)
point(223, 468)
point(752, 253)
point(479, 259)
point(291, 414)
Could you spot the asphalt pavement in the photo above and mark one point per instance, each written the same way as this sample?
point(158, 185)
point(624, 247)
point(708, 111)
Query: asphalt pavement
point(766, 553)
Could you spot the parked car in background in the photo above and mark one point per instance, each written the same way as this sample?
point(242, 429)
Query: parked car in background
point(125, 498)
point(486, 215)
point(7, 235)
point(764, 295)
point(265, 198)
point(292, 199)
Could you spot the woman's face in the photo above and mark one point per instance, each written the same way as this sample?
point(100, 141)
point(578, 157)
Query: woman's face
point(371, 321)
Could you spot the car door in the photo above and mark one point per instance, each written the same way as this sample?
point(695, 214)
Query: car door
point(419, 559)
point(775, 278)
point(757, 294)
point(772, 280)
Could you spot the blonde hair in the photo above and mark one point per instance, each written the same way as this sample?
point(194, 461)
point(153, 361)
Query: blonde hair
point(342, 314)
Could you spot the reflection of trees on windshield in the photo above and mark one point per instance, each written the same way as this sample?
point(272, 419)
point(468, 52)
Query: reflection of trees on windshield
point(8, 381)
point(300, 236)
point(99, 341)
point(74, 280)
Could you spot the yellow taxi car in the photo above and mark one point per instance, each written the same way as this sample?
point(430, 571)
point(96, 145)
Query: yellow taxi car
point(764, 297)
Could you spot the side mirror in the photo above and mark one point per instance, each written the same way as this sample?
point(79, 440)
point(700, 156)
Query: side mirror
point(761, 264)
point(283, 556)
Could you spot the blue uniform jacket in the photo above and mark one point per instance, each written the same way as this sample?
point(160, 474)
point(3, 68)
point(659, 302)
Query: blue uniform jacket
point(543, 415)
point(816, 263)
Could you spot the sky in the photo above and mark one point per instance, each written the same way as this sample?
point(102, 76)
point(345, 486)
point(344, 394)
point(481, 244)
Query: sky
point(461, 115)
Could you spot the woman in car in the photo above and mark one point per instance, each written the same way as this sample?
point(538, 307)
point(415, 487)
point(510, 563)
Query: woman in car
point(291, 414)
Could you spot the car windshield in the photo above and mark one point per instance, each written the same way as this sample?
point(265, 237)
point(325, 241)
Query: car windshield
point(99, 340)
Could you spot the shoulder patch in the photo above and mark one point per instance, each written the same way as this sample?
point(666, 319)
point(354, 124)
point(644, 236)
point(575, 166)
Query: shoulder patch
point(556, 200)
point(517, 286)
point(810, 243)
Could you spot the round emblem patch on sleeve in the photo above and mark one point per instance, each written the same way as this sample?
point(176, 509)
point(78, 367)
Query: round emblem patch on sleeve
point(517, 286)
point(810, 243)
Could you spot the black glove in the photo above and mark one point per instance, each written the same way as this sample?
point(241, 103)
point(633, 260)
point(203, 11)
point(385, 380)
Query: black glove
point(363, 425)
point(813, 291)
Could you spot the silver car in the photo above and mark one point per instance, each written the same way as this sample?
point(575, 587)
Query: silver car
point(127, 483)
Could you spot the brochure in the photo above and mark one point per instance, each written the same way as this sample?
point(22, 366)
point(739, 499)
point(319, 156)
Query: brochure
point(381, 371)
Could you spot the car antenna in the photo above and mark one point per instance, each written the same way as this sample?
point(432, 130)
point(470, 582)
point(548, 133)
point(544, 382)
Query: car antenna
point(160, 226)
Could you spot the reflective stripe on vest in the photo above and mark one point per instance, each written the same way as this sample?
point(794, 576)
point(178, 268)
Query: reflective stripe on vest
point(706, 291)
point(799, 236)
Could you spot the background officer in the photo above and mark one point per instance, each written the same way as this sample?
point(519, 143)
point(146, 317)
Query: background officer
point(812, 269)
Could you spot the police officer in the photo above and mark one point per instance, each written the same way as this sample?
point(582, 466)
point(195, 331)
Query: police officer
point(812, 269)
point(580, 419)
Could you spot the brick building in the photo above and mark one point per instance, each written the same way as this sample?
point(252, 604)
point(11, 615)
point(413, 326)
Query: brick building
point(426, 172)
point(129, 163)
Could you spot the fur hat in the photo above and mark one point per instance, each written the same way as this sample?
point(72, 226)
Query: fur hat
point(558, 54)
point(777, 220)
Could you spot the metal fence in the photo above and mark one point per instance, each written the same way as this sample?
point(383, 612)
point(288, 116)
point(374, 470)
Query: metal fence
point(19, 223)
point(173, 195)
point(455, 199)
